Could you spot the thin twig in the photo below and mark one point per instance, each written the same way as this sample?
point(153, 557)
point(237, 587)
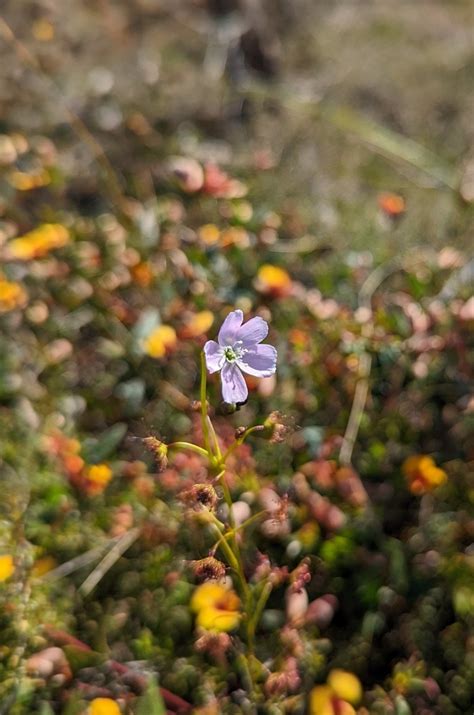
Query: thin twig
point(109, 560)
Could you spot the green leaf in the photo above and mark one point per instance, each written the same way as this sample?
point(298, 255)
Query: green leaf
point(96, 450)
point(151, 703)
point(79, 658)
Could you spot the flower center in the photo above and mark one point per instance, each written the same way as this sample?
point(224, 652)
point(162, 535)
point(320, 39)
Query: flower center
point(230, 354)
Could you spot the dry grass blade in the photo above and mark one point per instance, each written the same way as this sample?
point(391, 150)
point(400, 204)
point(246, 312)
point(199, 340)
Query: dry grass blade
point(109, 560)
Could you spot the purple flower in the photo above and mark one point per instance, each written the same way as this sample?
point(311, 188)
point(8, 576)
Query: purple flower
point(238, 348)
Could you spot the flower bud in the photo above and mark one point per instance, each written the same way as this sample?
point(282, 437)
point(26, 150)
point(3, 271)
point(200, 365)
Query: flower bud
point(296, 605)
point(159, 450)
point(208, 569)
point(321, 611)
point(201, 496)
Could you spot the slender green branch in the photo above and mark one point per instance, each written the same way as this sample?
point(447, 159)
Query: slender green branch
point(240, 441)
point(233, 563)
point(244, 524)
point(214, 441)
point(260, 605)
point(203, 395)
point(191, 447)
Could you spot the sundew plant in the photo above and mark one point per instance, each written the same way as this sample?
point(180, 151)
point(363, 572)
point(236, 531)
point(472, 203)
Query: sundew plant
point(220, 609)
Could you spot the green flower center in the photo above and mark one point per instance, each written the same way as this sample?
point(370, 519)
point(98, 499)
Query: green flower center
point(230, 354)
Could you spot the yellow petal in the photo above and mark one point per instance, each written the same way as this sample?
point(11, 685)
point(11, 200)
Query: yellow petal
point(104, 706)
point(411, 464)
point(434, 476)
point(216, 619)
point(39, 242)
point(273, 279)
point(7, 567)
point(199, 324)
point(345, 685)
point(207, 594)
point(99, 474)
point(320, 701)
point(209, 234)
point(161, 339)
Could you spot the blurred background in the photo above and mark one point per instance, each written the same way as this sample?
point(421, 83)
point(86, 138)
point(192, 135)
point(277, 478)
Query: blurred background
point(332, 102)
point(163, 163)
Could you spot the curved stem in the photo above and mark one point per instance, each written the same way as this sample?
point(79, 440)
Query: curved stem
point(262, 600)
point(191, 447)
point(240, 441)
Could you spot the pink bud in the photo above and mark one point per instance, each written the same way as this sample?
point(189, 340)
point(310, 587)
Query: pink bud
point(296, 606)
point(321, 611)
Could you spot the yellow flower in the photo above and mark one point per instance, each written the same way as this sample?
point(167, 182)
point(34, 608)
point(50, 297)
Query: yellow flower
point(12, 295)
point(422, 474)
point(160, 341)
point(216, 606)
point(42, 30)
point(39, 242)
point(198, 324)
point(346, 685)
point(98, 476)
point(235, 236)
point(7, 567)
point(342, 691)
point(22, 181)
point(274, 280)
point(209, 234)
point(103, 706)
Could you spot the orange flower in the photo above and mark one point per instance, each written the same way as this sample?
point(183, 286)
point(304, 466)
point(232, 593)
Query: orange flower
point(273, 280)
point(12, 295)
point(160, 341)
point(39, 242)
point(422, 474)
point(142, 274)
point(392, 204)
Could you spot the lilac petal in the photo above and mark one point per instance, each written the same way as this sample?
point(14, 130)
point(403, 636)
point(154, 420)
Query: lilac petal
point(234, 387)
point(230, 327)
point(252, 332)
point(260, 361)
point(214, 356)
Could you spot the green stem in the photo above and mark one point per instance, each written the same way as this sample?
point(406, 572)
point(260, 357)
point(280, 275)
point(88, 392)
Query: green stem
point(233, 563)
point(244, 524)
point(191, 447)
point(214, 441)
point(240, 441)
point(262, 600)
point(203, 395)
point(246, 592)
